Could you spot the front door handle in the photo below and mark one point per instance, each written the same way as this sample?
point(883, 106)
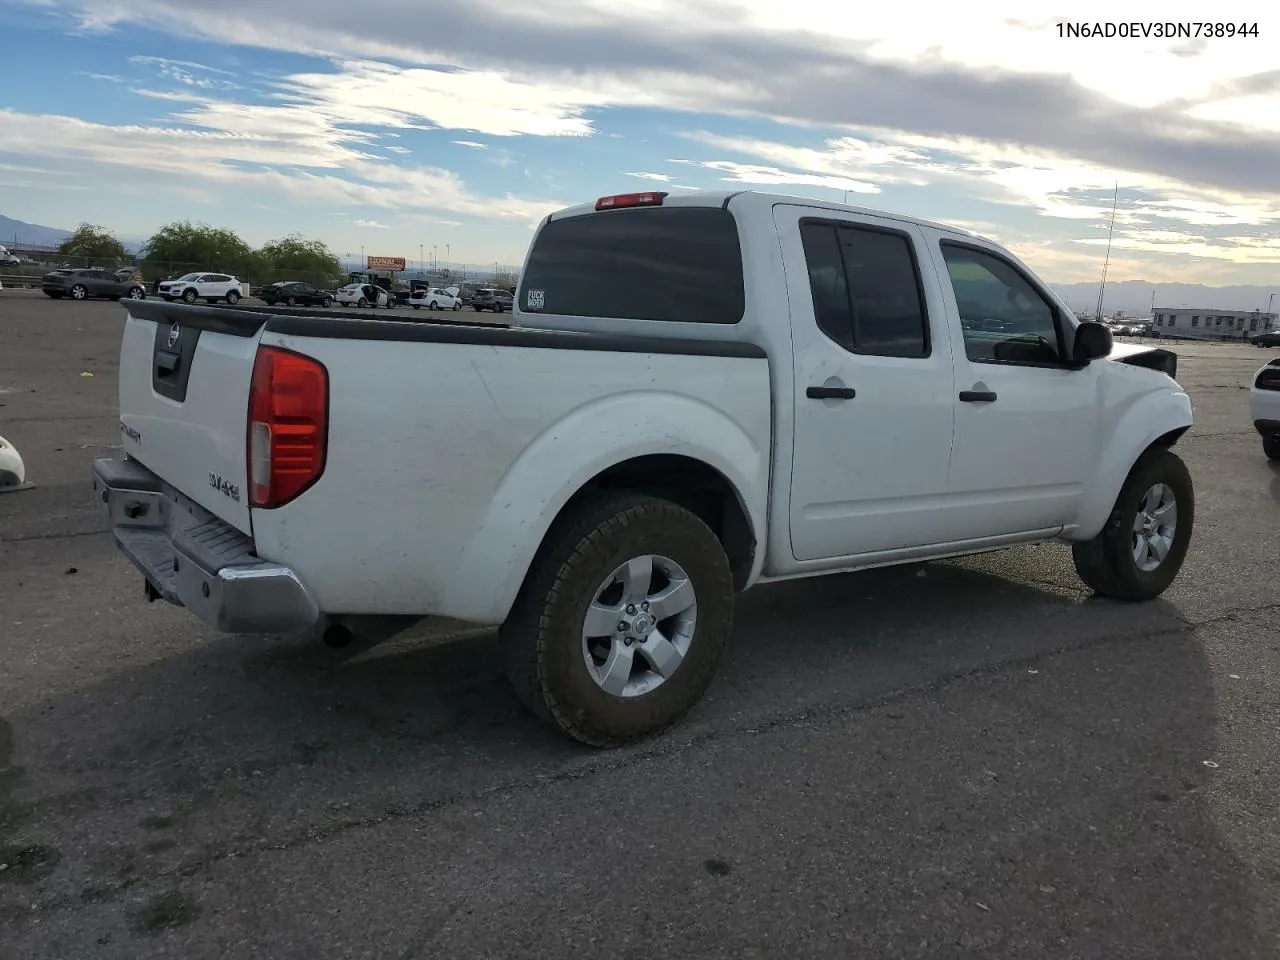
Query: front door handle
point(977, 396)
point(831, 393)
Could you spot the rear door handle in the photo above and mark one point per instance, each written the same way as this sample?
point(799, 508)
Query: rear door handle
point(831, 393)
point(977, 396)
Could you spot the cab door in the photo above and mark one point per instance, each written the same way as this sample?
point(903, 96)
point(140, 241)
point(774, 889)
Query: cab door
point(873, 386)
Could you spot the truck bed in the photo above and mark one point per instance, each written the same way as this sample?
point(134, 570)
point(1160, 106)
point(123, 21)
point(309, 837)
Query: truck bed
point(450, 446)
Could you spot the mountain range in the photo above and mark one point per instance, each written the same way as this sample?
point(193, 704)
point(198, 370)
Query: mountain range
point(1132, 297)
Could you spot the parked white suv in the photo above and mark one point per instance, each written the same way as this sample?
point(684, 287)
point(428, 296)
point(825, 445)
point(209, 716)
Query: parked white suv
point(1264, 406)
point(211, 287)
point(699, 393)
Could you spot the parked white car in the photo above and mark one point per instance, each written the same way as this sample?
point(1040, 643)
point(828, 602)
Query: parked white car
point(434, 298)
point(211, 287)
point(363, 295)
point(1264, 407)
point(698, 394)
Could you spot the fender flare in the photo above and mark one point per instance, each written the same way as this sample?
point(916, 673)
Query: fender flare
point(1154, 416)
point(552, 469)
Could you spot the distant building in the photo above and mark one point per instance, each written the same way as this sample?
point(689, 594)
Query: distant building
point(1202, 324)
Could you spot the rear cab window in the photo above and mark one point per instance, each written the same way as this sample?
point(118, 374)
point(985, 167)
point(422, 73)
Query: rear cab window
point(679, 264)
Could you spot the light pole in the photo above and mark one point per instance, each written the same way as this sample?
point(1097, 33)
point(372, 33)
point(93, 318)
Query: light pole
point(362, 259)
point(422, 267)
point(433, 258)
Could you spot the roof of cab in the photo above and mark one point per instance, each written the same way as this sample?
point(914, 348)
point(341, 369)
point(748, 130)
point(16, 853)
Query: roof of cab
point(717, 198)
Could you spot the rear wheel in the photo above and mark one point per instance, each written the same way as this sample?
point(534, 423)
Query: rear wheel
point(233, 296)
point(78, 292)
point(1141, 549)
point(622, 620)
point(53, 296)
point(417, 306)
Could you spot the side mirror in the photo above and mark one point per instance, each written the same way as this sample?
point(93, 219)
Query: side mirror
point(1093, 342)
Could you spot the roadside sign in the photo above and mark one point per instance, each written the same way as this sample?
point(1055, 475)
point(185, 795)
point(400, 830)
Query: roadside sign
point(384, 263)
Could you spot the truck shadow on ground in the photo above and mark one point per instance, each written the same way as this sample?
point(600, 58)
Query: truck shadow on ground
point(1091, 789)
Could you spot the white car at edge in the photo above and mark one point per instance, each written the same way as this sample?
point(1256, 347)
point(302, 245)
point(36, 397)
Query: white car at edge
point(699, 393)
point(435, 298)
point(1264, 407)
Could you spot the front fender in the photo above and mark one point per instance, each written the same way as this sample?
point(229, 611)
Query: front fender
point(587, 441)
point(1142, 424)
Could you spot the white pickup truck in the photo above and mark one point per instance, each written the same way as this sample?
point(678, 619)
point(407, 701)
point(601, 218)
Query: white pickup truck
point(699, 394)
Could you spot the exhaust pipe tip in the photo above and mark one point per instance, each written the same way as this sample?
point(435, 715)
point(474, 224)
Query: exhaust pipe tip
point(336, 636)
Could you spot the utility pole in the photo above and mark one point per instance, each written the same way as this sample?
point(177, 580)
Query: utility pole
point(422, 267)
point(1107, 262)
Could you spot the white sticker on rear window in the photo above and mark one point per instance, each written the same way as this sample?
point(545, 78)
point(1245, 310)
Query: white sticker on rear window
point(535, 299)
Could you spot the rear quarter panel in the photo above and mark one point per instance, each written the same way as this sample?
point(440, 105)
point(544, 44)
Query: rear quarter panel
point(448, 462)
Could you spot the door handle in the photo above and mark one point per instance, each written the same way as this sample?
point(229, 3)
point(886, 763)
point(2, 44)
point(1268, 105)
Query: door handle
point(831, 393)
point(977, 396)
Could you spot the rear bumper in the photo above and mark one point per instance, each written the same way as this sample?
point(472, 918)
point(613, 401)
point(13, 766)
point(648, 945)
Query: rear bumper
point(192, 559)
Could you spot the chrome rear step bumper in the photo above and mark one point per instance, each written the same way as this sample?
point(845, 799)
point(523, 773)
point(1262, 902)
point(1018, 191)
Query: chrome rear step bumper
point(191, 558)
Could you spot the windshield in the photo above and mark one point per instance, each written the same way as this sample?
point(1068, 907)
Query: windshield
point(189, 276)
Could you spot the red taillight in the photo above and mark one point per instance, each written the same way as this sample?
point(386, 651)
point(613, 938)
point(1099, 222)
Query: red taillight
point(288, 425)
point(622, 200)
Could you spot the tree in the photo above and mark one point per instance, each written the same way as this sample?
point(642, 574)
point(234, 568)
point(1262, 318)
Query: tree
point(199, 246)
point(91, 242)
point(293, 254)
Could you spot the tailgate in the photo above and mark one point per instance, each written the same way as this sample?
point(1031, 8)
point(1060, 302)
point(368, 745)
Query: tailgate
point(184, 394)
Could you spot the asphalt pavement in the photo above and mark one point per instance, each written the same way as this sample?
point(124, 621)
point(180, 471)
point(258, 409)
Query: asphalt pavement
point(952, 760)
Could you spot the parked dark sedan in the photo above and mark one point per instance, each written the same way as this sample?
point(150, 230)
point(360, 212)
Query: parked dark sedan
point(81, 284)
point(499, 302)
point(1269, 339)
point(294, 294)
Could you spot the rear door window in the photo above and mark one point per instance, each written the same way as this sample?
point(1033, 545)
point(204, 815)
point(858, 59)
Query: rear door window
point(681, 264)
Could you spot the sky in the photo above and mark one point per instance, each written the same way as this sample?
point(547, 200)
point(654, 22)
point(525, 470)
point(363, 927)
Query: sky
point(403, 127)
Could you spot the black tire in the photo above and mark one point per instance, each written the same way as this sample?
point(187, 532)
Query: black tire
point(327, 302)
point(292, 302)
point(433, 305)
point(53, 296)
point(477, 308)
point(416, 306)
point(137, 293)
point(232, 297)
point(1271, 447)
point(190, 296)
point(457, 305)
point(1106, 563)
point(362, 302)
point(542, 638)
point(78, 292)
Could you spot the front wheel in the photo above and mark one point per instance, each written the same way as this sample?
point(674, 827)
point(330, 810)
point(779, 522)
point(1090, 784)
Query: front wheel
point(362, 302)
point(457, 306)
point(417, 306)
point(190, 296)
point(433, 305)
point(327, 302)
point(1271, 446)
point(292, 302)
point(78, 292)
point(137, 293)
point(622, 620)
point(1141, 549)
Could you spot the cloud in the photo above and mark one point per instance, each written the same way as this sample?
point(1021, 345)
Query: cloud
point(470, 143)
point(298, 157)
point(371, 223)
point(188, 73)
